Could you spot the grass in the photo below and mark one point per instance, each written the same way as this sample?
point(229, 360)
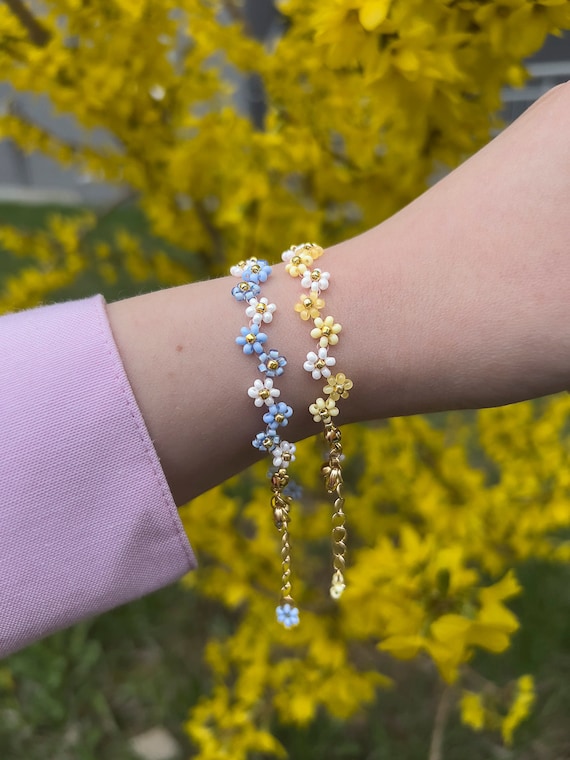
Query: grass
point(83, 693)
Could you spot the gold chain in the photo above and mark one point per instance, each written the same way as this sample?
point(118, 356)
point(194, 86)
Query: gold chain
point(332, 473)
point(281, 517)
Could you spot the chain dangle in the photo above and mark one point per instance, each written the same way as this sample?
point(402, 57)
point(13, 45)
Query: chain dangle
point(281, 517)
point(285, 561)
point(332, 473)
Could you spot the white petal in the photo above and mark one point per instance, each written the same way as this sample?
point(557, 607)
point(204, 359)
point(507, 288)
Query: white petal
point(309, 366)
point(316, 374)
point(252, 392)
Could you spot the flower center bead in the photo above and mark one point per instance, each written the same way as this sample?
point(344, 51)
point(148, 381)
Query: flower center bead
point(250, 338)
point(243, 286)
point(260, 308)
point(255, 268)
point(320, 363)
point(264, 393)
point(316, 274)
point(326, 330)
point(286, 456)
point(279, 417)
point(296, 260)
point(267, 442)
point(307, 302)
point(273, 364)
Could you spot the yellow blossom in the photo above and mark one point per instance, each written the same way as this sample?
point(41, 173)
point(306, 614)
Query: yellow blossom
point(472, 710)
point(520, 707)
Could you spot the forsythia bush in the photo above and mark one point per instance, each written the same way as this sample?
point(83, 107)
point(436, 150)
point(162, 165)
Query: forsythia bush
point(364, 101)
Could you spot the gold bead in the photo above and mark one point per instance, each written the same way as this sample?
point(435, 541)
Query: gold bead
point(316, 274)
point(243, 286)
point(320, 363)
point(325, 330)
point(332, 435)
point(255, 268)
point(260, 308)
point(264, 393)
point(307, 302)
point(273, 364)
point(250, 338)
point(267, 442)
point(279, 417)
point(296, 260)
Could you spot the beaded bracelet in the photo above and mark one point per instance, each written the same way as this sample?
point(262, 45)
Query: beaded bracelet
point(271, 365)
point(299, 259)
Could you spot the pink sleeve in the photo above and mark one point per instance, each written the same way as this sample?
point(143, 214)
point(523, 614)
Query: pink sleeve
point(87, 521)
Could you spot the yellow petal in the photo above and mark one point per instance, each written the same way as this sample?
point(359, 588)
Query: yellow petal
point(373, 13)
point(488, 638)
point(505, 588)
point(402, 647)
point(450, 627)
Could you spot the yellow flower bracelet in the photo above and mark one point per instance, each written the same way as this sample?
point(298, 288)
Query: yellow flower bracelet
point(299, 260)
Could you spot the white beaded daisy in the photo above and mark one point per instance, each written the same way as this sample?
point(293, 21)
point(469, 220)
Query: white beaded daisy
point(315, 280)
point(284, 454)
point(318, 363)
point(262, 392)
point(238, 269)
point(260, 310)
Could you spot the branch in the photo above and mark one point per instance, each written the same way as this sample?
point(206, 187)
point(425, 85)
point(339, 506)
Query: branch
point(441, 717)
point(234, 11)
point(213, 232)
point(37, 32)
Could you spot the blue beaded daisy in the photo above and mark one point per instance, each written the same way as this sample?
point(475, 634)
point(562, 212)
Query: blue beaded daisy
point(259, 271)
point(271, 363)
point(277, 415)
point(251, 339)
point(245, 290)
point(287, 615)
point(266, 441)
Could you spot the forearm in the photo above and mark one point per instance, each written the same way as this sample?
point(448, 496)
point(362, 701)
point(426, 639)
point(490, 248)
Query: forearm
point(460, 300)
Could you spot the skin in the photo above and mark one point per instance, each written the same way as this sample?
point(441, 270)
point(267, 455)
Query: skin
point(460, 300)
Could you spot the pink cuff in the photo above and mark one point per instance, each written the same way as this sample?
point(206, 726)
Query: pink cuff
point(87, 520)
